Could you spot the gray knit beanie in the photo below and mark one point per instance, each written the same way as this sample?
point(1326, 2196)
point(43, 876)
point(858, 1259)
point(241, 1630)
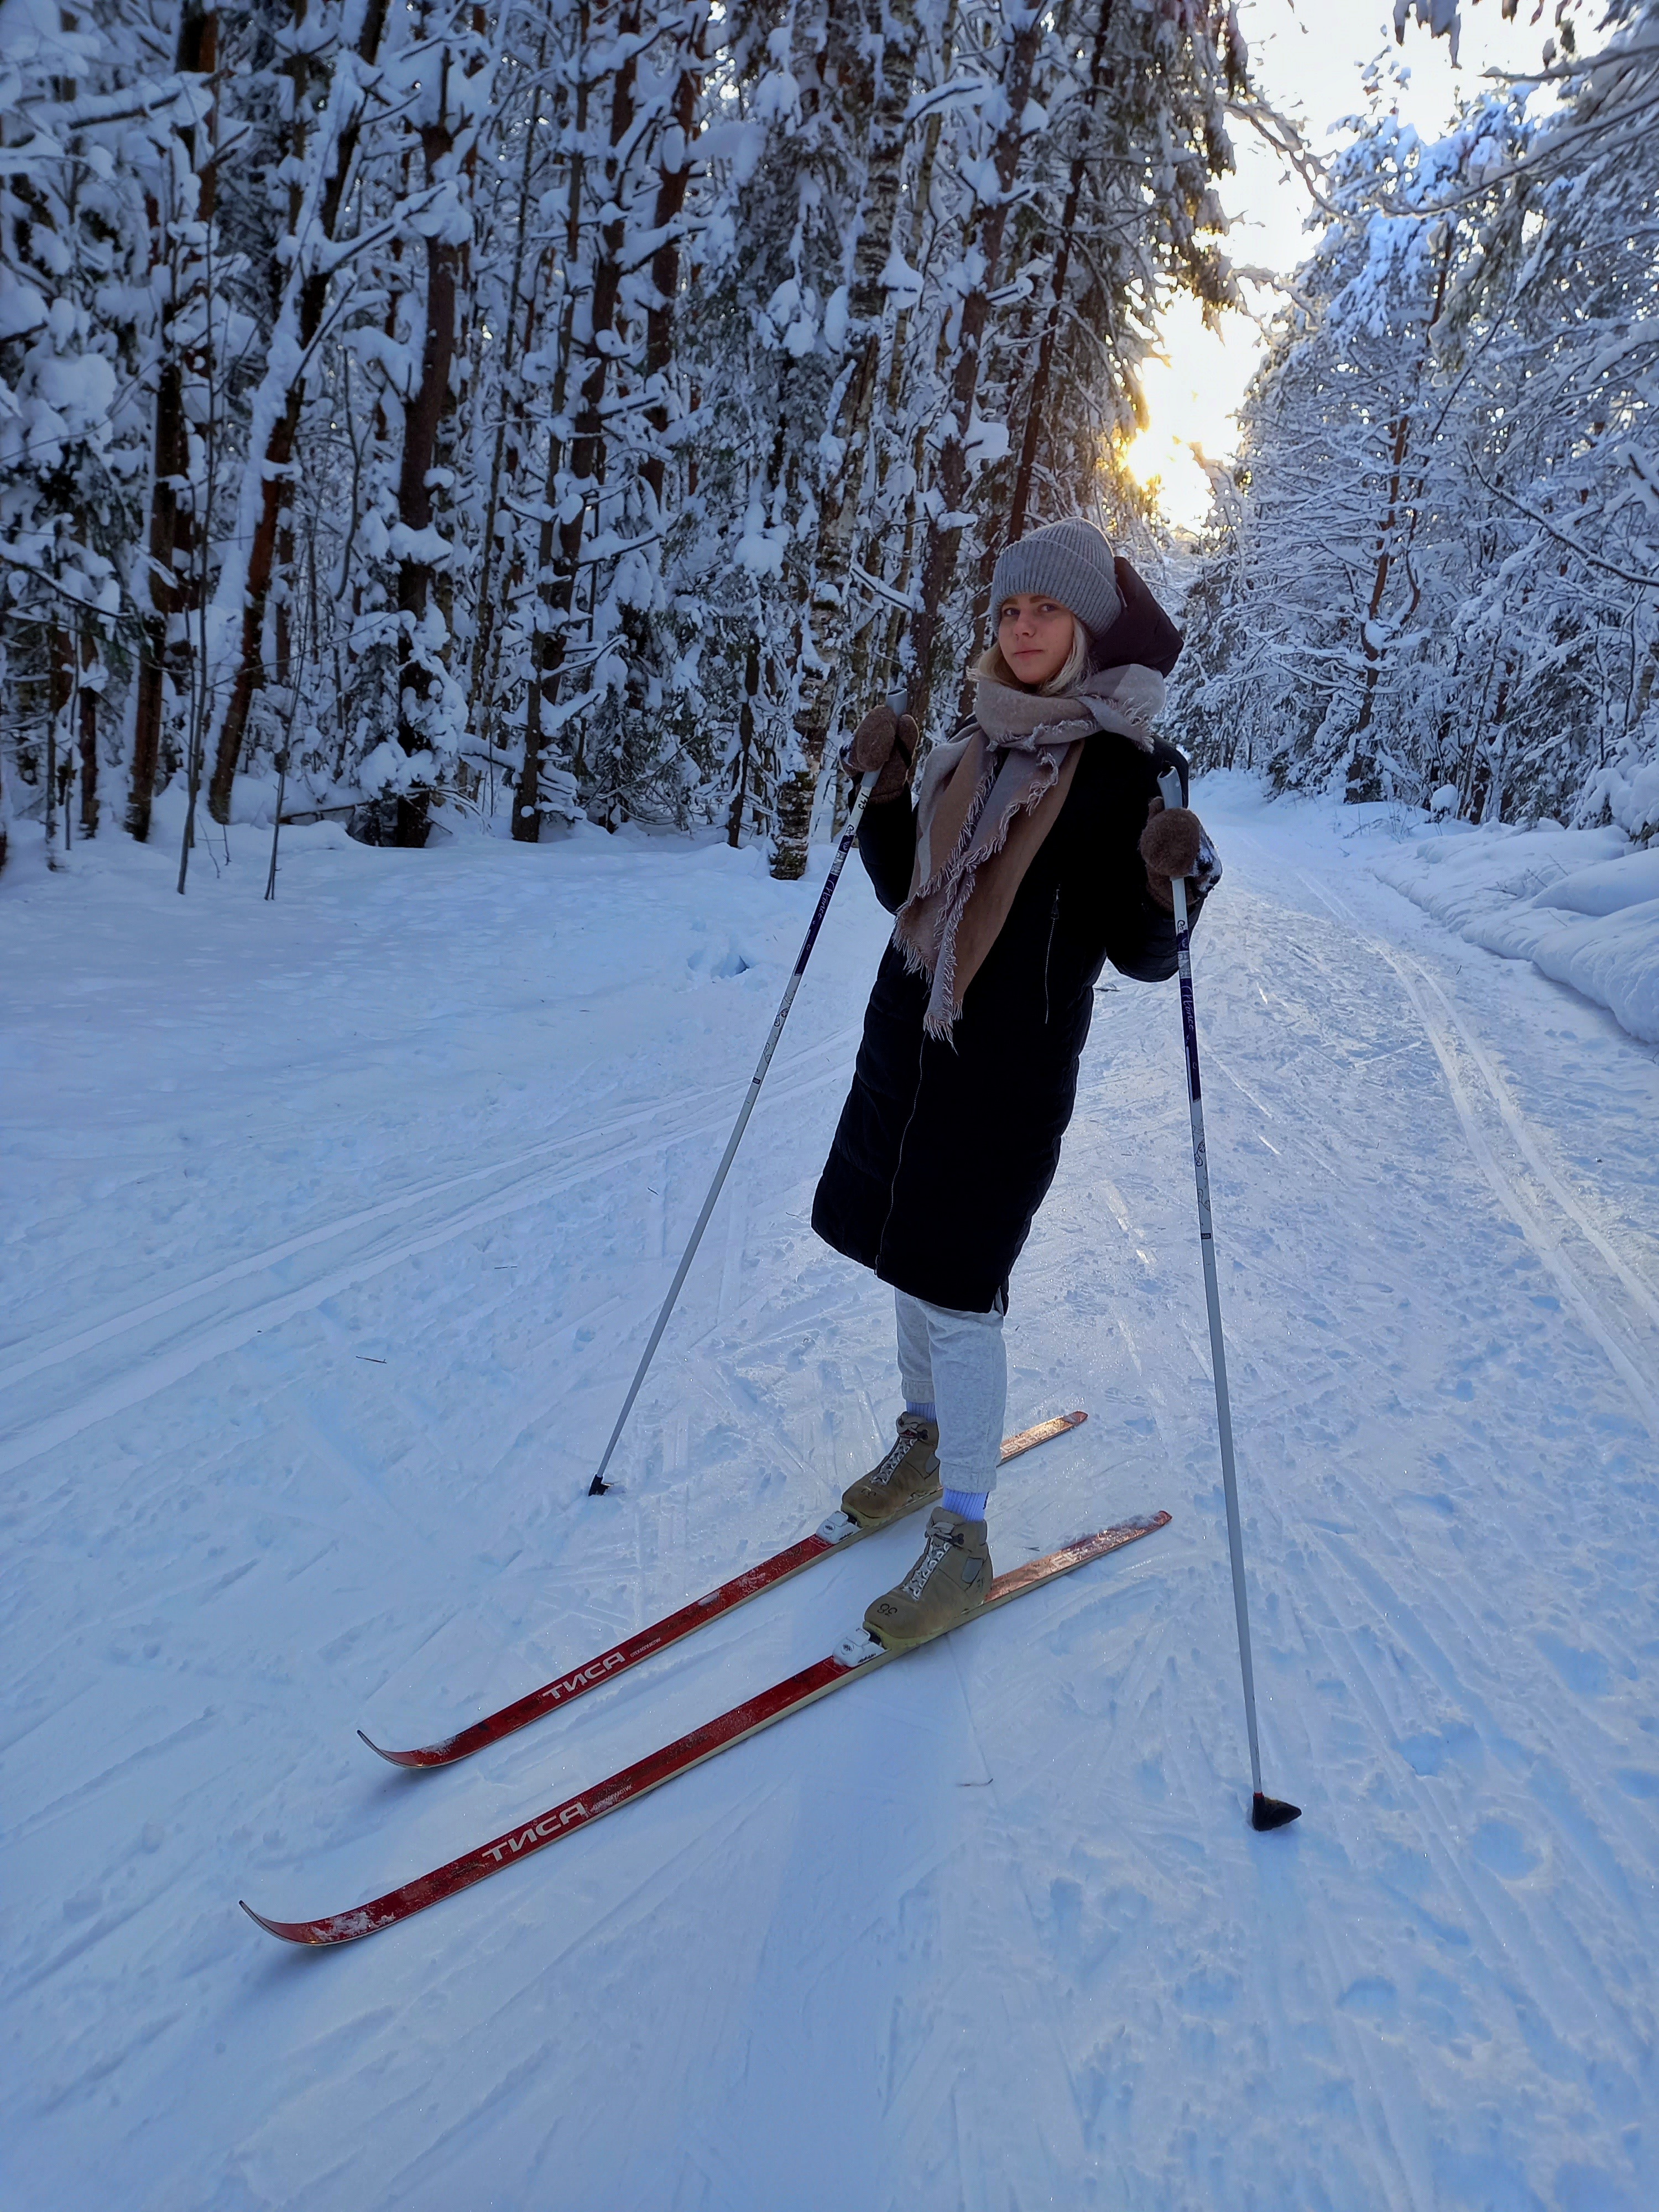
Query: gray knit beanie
point(1070, 562)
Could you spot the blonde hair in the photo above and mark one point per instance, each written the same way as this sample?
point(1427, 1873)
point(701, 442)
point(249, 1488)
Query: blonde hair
point(995, 669)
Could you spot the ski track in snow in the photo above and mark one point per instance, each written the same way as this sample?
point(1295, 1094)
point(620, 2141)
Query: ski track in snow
point(324, 1277)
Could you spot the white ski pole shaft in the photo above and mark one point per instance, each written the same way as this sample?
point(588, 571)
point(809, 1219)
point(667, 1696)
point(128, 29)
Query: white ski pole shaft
point(1267, 1812)
point(597, 1486)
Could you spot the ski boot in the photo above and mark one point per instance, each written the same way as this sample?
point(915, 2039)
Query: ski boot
point(906, 1478)
point(945, 1587)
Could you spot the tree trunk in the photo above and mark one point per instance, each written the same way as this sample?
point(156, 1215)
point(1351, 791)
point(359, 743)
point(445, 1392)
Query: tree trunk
point(824, 627)
point(587, 445)
point(745, 742)
point(89, 735)
point(416, 570)
point(944, 526)
point(672, 181)
point(60, 757)
point(1100, 78)
point(553, 595)
point(501, 463)
point(1362, 782)
point(284, 388)
point(150, 688)
point(168, 536)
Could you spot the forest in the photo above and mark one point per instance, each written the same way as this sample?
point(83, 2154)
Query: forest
point(518, 410)
point(1432, 574)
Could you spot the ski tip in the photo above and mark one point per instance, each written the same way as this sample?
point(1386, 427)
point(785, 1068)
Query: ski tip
point(284, 1929)
point(318, 1935)
point(426, 1754)
point(1272, 1812)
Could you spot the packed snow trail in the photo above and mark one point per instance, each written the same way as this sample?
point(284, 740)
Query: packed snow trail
point(332, 1231)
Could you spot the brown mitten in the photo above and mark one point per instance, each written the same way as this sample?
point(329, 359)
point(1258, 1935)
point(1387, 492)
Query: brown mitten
point(1174, 844)
point(882, 745)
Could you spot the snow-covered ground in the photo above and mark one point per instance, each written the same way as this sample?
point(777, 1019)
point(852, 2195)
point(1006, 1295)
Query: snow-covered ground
point(1583, 905)
point(332, 1231)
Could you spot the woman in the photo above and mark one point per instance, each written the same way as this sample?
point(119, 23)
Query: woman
point(1038, 849)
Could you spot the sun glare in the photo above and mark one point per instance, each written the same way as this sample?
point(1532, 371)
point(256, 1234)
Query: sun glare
point(1311, 61)
point(1190, 397)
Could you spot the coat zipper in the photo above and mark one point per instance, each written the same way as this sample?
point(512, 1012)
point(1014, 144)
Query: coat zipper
point(1048, 954)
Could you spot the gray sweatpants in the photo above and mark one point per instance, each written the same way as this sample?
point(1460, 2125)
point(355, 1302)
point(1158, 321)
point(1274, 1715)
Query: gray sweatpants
point(956, 1362)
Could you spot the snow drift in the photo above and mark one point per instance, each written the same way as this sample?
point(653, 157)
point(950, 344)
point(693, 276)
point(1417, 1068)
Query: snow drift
point(1583, 905)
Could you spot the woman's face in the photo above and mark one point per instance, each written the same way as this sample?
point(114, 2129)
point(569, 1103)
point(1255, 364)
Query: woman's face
point(1034, 636)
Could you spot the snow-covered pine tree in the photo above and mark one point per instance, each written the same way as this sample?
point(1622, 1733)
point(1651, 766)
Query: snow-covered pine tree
point(326, 76)
point(443, 74)
point(870, 61)
point(1343, 434)
point(77, 123)
point(1563, 454)
point(603, 397)
point(1122, 205)
point(183, 186)
point(1008, 118)
point(1439, 571)
point(609, 676)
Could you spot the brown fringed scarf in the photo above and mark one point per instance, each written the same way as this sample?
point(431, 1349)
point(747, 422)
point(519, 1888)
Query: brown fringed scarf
point(986, 802)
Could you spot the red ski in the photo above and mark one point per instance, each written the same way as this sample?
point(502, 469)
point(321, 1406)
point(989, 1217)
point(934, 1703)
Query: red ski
point(833, 1535)
point(858, 1654)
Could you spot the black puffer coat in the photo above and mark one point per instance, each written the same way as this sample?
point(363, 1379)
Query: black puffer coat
point(944, 1151)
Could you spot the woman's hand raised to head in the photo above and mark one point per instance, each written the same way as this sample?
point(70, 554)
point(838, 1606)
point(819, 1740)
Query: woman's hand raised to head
point(1176, 843)
point(883, 745)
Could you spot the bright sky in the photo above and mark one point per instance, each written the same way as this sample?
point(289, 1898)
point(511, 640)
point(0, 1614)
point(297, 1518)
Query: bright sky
point(1307, 57)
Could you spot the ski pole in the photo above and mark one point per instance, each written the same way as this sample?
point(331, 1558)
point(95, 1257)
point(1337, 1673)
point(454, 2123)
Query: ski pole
point(897, 701)
point(1265, 1812)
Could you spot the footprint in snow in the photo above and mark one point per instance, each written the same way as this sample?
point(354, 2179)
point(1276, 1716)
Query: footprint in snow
point(1501, 1847)
point(1373, 1996)
point(1426, 1753)
point(1584, 1671)
point(705, 968)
